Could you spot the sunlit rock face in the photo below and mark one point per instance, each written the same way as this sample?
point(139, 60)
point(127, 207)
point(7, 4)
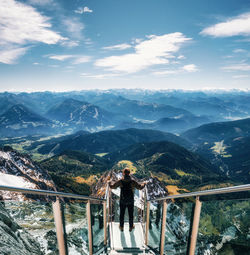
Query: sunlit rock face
point(19, 170)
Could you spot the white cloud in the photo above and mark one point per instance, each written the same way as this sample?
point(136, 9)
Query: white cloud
point(88, 41)
point(20, 24)
point(60, 57)
point(9, 56)
point(156, 50)
point(122, 46)
point(41, 2)
point(190, 68)
point(236, 67)
point(166, 72)
point(74, 27)
point(240, 76)
point(99, 76)
point(81, 10)
point(76, 59)
point(70, 44)
point(239, 25)
point(239, 51)
point(181, 57)
point(81, 59)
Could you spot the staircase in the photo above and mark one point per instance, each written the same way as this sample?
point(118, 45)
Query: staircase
point(126, 242)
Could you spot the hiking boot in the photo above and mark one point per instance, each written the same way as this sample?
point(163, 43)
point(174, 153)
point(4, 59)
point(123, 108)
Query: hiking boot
point(121, 228)
point(131, 228)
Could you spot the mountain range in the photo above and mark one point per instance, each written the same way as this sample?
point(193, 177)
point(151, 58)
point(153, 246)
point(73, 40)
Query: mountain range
point(173, 162)
point(208, 156)
point(226, 145)
point(106, 141)
point(215, 132)
point(174, 125)
point(18, 120)
point(93, 111)
point(80, 115)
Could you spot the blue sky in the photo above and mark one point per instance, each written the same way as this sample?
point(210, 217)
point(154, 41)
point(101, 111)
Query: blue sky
point(63, 45)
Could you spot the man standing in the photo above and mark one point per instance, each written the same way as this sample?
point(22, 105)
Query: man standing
point(127, 186)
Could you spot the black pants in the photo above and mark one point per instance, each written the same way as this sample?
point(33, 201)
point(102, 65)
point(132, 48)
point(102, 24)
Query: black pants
point(130, 214)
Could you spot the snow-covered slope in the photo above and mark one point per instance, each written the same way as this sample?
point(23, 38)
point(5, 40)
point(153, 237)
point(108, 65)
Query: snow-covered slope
point(20, 171)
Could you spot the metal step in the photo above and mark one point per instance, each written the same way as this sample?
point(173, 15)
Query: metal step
point(124, 240)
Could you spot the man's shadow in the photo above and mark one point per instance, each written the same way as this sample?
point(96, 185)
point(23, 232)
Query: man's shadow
point(132, 239)
point(123, 240)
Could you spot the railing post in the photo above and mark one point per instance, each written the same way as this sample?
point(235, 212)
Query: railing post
point(163, 226)
point(59, 226)
point(105, 222)
point(147, 223)
point(89, 228)
point(195, 226)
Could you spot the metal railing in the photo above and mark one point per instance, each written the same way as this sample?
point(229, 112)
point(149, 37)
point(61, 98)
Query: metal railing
point(196, 214)
point(57, 213)
point(107, 204)
point(226, 190)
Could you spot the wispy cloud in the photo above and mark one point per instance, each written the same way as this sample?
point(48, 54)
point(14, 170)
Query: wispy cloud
point(122, 46)
point(166, 72)
point(239, 51)
point(70, 43)
point(41, 2)
point(181, 57)
point(99, 76)
point(60, 57)
point(236, 67)
point(81, 10)
point(9, 56)
point(155, 50)
point(21, 24)
point(81, 59)
point(240, 76)
point(74, 27)
point(75, 59)
point(191, 68)
point(239, 25)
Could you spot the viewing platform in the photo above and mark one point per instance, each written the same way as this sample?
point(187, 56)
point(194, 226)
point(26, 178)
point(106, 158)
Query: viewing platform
point(71, 224)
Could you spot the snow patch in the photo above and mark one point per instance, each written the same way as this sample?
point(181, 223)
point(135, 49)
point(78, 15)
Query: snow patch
point(16, 181)
point(5, 155)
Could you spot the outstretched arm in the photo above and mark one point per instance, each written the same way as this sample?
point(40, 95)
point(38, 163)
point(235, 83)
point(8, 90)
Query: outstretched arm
point(115, 185)
point(138, 185)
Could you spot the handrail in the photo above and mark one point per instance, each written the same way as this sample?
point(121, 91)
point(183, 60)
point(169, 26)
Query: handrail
point(106, 192)
point(146, 192)
point(49, 193)
point(226, 190)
